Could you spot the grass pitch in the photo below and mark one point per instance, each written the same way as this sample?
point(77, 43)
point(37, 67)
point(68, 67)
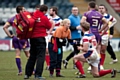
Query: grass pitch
point(8, 69)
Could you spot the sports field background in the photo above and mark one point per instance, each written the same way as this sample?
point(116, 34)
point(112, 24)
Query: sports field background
point(8, 69)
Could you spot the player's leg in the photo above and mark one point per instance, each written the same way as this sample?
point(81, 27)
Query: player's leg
point(17, 47)
point(18, 61)
point(98, 39)
point(104, 44)
point(47, 57)
point(26, 51)
point(76, 51)
point(99, 73)
point(78, 59)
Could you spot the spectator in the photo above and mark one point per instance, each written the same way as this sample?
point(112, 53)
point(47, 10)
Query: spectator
point(75, 34)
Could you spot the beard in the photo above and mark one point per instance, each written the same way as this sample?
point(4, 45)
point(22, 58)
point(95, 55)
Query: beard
point(51, 14)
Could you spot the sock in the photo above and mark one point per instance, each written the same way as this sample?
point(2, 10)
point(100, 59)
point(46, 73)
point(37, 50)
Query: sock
point(47, 59)
point(18, 63)
point(57, 71)
point(104, 72)
point(51, 71)
point(79, 66)
point(102, 59)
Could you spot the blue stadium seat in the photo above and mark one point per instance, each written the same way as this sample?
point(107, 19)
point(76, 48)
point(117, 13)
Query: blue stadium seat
point(7, 10)
point(13, 10)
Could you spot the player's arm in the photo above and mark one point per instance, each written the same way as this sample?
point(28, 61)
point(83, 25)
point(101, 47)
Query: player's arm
point(53, 24)
point(85, 45)
point(111, 31)
point(105, 26)
point(112, 22)
point(83, 19)
point(84, 48)
point(5, 28)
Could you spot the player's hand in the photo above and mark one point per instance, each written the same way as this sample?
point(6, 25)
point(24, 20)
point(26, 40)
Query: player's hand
point(79, 47)
point(74, 41)
point(111, 36)
point(12, 35)
point(78, 27)
point(50, 33)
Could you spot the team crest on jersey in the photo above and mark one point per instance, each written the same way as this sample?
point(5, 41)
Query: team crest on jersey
point(38, 20)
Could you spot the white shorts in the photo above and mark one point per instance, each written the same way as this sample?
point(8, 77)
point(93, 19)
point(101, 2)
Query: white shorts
point(105, 40)
point(48, 37)
point(94, 63)
point(92, 58)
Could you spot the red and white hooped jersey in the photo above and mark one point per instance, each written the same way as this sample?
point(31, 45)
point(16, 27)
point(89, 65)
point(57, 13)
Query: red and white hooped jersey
point(90, 39)
point(111, 21)
point(57, 20)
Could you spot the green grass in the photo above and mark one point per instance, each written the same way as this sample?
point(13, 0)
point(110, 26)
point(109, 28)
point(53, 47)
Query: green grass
point(8, 69)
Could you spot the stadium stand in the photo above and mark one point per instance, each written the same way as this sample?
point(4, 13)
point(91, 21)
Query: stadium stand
point(7, 7)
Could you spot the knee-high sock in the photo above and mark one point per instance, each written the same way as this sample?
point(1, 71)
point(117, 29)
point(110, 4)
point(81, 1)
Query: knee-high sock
point(102, 59)
point(79, 66)
point(47, 59)
point(18, 63)
point(104, 72)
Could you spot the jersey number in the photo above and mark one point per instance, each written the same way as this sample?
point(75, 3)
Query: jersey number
point(95, 22)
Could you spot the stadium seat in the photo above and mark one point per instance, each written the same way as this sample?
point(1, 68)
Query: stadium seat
point(6, 15)
point(13, 10)
point(30, 9)
point(1, 10)
point(7, 10)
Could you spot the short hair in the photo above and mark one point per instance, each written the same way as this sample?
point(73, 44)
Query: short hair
point(19, 8)
point(92, 4)
point(104, 6)
point(85, 25)
point(54, 9)
point(43, 8)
